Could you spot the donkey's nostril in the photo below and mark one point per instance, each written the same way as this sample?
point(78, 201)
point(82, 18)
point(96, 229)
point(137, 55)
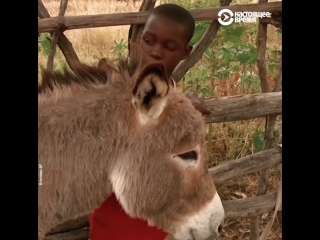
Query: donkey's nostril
point(220, 228)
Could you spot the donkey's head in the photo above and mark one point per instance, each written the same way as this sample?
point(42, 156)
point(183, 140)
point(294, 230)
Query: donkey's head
point(112, 129)
point(162, 174)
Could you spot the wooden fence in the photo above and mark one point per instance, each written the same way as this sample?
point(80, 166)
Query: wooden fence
point(267, 104)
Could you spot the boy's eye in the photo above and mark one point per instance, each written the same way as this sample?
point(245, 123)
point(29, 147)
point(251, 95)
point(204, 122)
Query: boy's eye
point(147, 41)
point(170, 48)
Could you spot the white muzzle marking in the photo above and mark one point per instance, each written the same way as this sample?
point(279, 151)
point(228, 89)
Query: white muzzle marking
point(204, 224)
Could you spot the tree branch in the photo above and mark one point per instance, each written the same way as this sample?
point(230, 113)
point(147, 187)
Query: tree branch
point(64, 44)
point(136, 30)
point(199, 48)
point(55, 36)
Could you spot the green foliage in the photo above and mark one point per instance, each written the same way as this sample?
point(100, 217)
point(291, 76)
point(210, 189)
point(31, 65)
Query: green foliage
point(232, 55)
point(200, 28)
point(273, 63)
point(44, 42)
point(249, 80)
point(119, 49)
point(196, 80)
point(228, 55)
point(258, 141)
point(279, 31)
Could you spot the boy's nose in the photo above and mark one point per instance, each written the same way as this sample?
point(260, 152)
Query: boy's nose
point(156, 53)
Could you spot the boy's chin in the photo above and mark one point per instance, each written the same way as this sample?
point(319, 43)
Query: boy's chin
point(148, 60)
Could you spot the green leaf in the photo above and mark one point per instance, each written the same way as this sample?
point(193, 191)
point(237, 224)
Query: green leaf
point(232, 38)
point(226, 55)
point(202, 75)
point(253, 58)
point(243, 57)
point(236, 68)
point(238, 31)
point(205, 91)
point(279, 31)
point(190, 81)
point(46, 46)
point(271, 70)
point(196, 37)
point(223, 73)
point(258, 142)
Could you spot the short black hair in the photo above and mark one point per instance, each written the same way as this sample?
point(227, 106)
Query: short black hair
point(175, 12)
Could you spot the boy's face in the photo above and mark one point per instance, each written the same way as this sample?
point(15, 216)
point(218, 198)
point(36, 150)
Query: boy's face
point(164, 39)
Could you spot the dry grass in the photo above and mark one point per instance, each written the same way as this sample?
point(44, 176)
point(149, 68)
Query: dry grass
point(230, 140)
point(245, 187)
point(92, 43)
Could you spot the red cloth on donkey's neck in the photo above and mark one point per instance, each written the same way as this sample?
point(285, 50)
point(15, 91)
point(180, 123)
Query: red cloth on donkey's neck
point(110, 222)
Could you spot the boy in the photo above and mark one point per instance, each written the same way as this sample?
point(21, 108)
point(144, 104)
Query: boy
point(166, 36)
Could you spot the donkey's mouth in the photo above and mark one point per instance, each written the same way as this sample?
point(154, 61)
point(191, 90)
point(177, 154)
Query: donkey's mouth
point(194, 238)
point(192, 235)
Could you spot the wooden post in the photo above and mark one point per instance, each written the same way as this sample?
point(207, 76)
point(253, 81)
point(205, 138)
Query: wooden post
point(64, 44)
point(136, 31)
point(55, 36)
point(199, 48)
point(270, 120)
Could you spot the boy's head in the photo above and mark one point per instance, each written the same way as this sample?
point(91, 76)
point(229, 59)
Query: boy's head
point(178, 14)
point(166, 35)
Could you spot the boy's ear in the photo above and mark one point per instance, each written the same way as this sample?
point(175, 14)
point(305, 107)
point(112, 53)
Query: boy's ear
point(188, 50)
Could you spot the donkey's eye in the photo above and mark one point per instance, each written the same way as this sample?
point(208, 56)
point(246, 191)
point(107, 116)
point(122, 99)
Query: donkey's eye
point(192, 155)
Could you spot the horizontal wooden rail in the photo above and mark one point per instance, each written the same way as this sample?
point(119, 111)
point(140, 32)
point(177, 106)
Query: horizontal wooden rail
point(79, 234)
point(116, 19)
point(221, 173)
point(243, 107)
point(249, 207)
point(246, 165)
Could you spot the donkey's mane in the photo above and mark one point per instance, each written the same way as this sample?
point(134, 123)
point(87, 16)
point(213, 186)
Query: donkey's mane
point(84, 74)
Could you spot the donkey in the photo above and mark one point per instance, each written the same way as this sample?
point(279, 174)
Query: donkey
point(127, 132)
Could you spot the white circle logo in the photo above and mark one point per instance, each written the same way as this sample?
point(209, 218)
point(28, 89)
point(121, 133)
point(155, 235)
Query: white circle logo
point(222, 20)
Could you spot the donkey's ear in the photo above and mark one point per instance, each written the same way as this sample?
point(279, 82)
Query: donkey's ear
point(150, 92)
